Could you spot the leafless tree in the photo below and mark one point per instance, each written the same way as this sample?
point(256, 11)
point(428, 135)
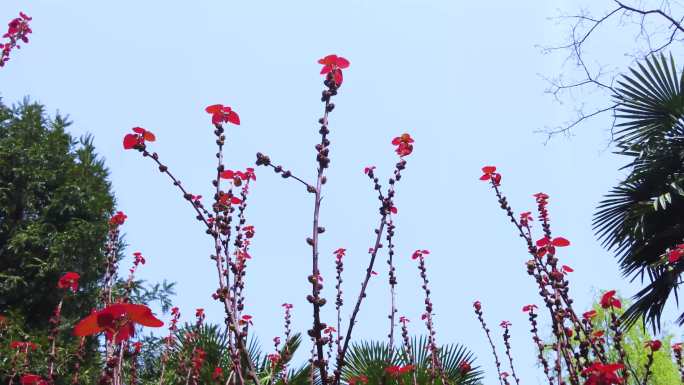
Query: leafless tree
point(648, 27)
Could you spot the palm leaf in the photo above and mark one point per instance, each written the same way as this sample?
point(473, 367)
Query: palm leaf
point(643, 216)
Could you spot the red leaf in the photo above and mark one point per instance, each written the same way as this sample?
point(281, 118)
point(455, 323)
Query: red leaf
point(214, 108)
point(233, 118)
point(87, 326)
point(130, 141)
point(560, 242)
point(342, 62)
point(543, 242)
point(149, 136)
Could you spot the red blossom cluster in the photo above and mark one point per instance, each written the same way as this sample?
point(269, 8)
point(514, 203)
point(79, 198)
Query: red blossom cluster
point(69, 281)
point(674, 255)
point(32, 379)
point(23, 346)
point(608, 300)
point(17, 30)
point(489, 174)
point(333, 64)
point(222, 114)
point(603, 374)
point(138, 138)
point(397, 370)
point(404, 144)
point(117, 219)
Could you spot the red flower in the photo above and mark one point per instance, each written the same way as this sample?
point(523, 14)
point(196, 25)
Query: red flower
point(287, 306)
point(69, 280)
point(239, 176)
point(220, 114)
point(368, 169)
point(32, 379)
point(567, 269)
point(138, 139)
point(654, 345)
point(603, 374)
point(489, 173)
point(396, 370)
point(404, 320)
point(228, 199)
point(246, 320)
point(529, 308)
point(18, 30)
point(339, 253)
point(608, 300)
point(675, 254)
point(249, 231)
point(419, 254)
point(540, 197)
point(505, 324)
point(117, 219)
point(526, 218)
point(117, 320)
point(274, 358)
point(356, 379)
point(23, 345)
point(464, 367)
point(217, 373)
point(139, 259)
point(198, 358)
point(548, 245)
point(404, 144)
point(330, 330)
point(137, 346)
point(677, 347)
point(477, 305)
point(588, 315)
point(199, 312)
point(334, 64)
point(557, 242)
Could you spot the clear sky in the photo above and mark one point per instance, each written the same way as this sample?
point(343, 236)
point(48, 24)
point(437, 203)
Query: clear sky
point(462, 77)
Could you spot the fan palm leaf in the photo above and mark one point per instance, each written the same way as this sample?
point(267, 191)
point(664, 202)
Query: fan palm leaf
point(643, 216)
point(370, 359)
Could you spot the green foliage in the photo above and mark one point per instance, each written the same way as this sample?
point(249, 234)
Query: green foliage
point(213, 340)
point(55, 200)
point(371, 358)
point(635, 336)
point(664, 370)
point(643, 215)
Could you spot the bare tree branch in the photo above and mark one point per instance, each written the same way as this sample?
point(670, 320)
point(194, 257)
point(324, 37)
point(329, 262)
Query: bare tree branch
point(657, 29)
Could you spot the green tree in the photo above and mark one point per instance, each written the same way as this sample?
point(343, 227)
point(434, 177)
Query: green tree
point(664, 370)
point(642, 218)
point(55, 200)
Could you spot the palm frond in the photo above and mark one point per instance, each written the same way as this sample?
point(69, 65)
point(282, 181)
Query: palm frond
point(643, 216)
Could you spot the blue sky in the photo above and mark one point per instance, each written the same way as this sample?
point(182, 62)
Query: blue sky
point(462, 78)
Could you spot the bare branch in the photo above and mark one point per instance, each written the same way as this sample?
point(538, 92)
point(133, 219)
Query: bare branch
point(657, 29)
